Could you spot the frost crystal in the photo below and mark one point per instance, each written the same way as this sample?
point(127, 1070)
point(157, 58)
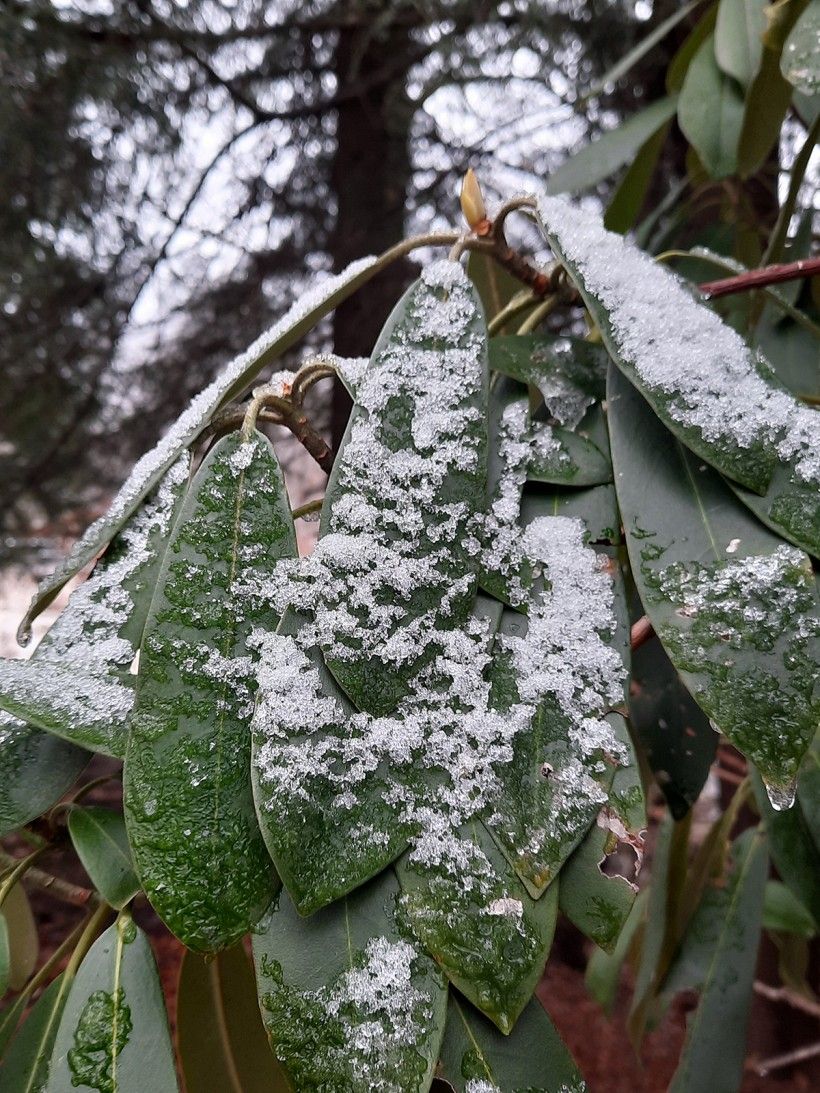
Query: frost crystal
point(709, 378)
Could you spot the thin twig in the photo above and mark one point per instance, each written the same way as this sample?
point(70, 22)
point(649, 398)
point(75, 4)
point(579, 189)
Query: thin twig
point(759, 278)
point(790, 997)
point(777, 1062)
point(641, 632)
point(46, 882)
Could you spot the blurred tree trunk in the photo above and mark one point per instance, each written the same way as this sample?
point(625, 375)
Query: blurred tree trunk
point(370, 178)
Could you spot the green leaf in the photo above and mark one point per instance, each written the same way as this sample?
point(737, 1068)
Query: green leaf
point(646, 45)
point(808, 790)
point(9, 1020)
point(36, 769)
point(630, 196)
point(728, 926)
point(101, 842)
point(603, 972)
point(559, 774)
point(25, 1066)
point(701, 379)
point(322, 848)
point(487, 933)
point(78, 684)
point(603, 157)
point(475, 1056)
point(20, 930)
point(734, 607)
point(783, 911)
point(221, 1040)
point(113, 1035)
point(596, 902)
point(187, 790)
point(350, 1005)
point(794, 851)
point(304, 314)
point(408, 480)
point(800, 61)
point(5, 956)
point(767, 101)
point(569, 373)
point(710, 112)
point(675, 734)
point(565, 458)
point(739, 38)
point(679, 65)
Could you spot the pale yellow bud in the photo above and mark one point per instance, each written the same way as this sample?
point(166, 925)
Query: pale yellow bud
point(472, 200)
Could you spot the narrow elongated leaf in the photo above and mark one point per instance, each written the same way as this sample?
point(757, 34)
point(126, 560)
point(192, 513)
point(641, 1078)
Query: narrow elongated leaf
point(78, 684)
point(604, 968)
point(612, 150)
point(479, 922)
point(596, 902)
point(562, 661)
point(9, 1020)
point(113, 1035)
point(646, 45)
point(476, 1058)
point(793, 850)
point(236, 378)
point(739, 38)
point(699, 376)
point(808, 790)
point(727, 926)
point(36, 769)
point(679, 65)
point(188, 796)
point(675, 733)
point(324, 839)
point(628, 200)
point(5, 956)
point(710, 112)
point(101, 842)
point(25, 1066)
point(734, 606)
point(783, 911)
point(21, 935)
point(800, 61)
point(767, 101)
point(396, 562)
point(350, 1004)
point(220, 1036)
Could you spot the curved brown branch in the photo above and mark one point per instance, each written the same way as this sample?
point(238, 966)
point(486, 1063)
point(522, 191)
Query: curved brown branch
point(759, 278)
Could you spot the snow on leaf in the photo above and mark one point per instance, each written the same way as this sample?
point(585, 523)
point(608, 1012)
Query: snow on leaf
point(715, 393)
point(78, 683)
point(230, 383)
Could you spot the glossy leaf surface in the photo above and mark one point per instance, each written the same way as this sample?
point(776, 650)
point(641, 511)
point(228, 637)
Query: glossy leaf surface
point(20, 932)
point(800, 60)
point(36, 769)
point(101, 842)
point(569, 373)
point(793, 850)
point(187, 794)
point(113, 1035)
point(710, 112)
point(349, 1004)
point(734, 606)
point(486, 932)
point(221, 1040)
point(739, 38)
point(476, 1057)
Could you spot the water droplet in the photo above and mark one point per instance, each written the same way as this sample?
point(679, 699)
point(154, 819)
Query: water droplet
point(781, 799)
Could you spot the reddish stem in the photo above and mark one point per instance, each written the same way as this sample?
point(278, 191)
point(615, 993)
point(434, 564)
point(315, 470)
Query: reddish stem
point(759, 278)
